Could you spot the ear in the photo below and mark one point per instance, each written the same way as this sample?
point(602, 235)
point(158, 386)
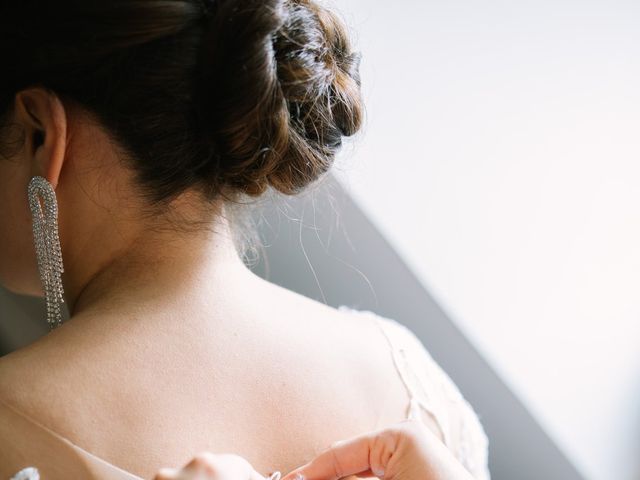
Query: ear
point(44, 119)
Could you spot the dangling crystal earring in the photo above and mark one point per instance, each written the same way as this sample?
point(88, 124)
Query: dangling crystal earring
point(47, 243)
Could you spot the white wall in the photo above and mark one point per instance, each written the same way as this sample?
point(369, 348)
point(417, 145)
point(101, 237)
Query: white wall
point(502, 158)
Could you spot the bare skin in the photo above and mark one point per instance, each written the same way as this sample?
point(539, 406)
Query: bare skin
point(174, 346)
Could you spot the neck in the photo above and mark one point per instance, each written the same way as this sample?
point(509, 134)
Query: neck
point(159, 264)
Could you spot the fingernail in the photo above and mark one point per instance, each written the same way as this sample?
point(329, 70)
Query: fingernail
point(379, 472)
point(168, 472)
point(299, 476)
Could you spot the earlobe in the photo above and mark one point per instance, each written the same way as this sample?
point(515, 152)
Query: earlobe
point(45, 125)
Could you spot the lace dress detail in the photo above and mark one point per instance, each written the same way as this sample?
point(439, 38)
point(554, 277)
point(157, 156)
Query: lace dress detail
point(431, 390)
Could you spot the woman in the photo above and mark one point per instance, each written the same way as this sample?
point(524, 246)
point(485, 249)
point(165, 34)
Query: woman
point(134, 135)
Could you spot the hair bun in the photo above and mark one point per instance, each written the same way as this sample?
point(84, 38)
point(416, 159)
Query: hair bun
point(278, 89)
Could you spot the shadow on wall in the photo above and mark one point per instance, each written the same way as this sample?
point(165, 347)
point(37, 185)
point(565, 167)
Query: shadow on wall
point(321, 245)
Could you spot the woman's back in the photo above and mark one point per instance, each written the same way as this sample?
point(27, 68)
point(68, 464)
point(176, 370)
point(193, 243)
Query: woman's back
point(134, 133)
point(276, 383)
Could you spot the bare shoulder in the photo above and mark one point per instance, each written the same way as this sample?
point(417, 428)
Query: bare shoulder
point(35, 383)
point(19, 370)
point(353, 352)
point(25, 437)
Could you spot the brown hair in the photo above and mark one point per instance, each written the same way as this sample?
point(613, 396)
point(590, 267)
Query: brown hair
point(230, 96)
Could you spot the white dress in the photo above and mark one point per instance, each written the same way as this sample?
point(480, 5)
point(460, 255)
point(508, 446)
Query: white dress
point(429, 387)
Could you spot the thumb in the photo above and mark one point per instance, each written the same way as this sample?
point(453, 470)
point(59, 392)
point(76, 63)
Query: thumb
point(345, 458)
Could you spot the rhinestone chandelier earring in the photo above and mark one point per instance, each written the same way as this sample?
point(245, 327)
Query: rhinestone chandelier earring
point(44, 211)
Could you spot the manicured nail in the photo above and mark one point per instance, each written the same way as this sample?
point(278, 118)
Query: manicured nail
point(168, 472)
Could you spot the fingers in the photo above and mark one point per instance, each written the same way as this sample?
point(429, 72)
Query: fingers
point(365, 454)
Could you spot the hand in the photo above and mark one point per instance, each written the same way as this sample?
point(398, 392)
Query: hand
point(405, 451)
point(210, 466)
